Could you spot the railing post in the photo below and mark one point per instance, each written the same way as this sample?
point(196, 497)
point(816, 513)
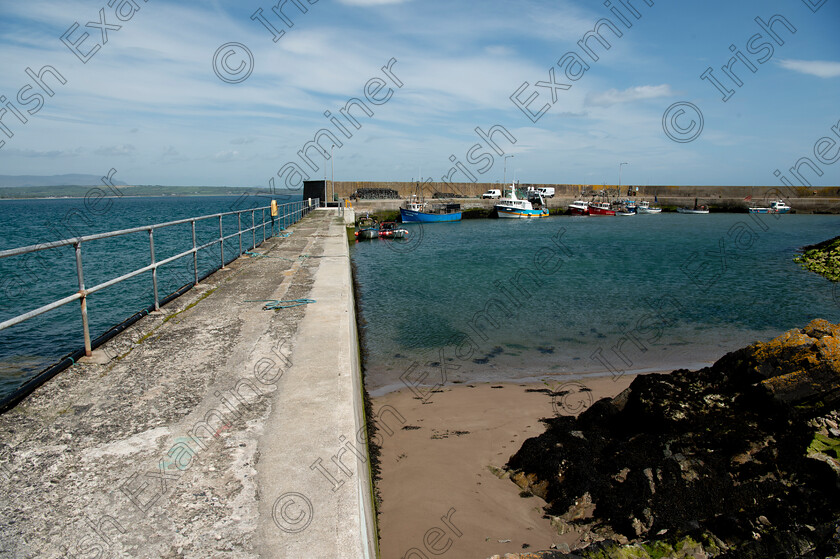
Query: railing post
point(154, 270)
point(254, 229)
point(195, 254)
point(239, 225)
point(83, 300)
point(263, 223)
point(221, 242)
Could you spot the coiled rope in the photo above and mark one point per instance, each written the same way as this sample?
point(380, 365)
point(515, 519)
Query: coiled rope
point(260, 255)
point(276, 305)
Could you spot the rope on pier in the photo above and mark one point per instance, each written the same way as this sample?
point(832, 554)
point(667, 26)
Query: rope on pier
point(260, 255)
point(275, 305)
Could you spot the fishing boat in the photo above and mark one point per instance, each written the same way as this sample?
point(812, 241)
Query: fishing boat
point(600, 208)
point(367, 228)
point(513, 207)
point(389, 230)
point(624, 208)
point(579, 207)
point(415, 211)
point(628, 206)
point(644, 207)
point(776, 207)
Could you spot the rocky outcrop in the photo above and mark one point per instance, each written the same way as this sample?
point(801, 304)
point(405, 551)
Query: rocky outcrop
point(822, 258)
point(741, 457)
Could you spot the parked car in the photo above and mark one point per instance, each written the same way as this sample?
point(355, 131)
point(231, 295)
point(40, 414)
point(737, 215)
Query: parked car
point(492, 194)
point(546, 191)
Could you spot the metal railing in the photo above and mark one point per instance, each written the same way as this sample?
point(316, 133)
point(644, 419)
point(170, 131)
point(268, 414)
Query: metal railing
point(287, 214)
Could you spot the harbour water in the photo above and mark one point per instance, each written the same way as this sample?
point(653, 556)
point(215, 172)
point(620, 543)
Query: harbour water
point(30, 281)
point(500, 300)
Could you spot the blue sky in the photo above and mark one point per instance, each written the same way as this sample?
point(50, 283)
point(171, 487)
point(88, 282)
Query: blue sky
point(149, 104)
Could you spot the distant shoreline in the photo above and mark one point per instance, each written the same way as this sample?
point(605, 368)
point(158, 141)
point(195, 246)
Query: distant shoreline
point(3, 199)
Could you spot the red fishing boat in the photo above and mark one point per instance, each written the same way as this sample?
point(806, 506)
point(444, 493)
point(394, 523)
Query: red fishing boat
point(600, 208)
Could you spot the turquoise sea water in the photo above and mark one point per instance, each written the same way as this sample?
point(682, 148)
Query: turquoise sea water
point(470, 302)
point(28, 282)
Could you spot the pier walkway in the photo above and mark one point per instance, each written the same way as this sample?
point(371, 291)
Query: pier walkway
point(212, 429)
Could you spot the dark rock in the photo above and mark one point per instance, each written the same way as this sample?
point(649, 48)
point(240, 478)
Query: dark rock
point(730, 452)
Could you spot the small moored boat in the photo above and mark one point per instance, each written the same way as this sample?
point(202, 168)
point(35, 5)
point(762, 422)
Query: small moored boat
point(367, 228)
point(644, 207)
point(695, 210)
point(389, 230)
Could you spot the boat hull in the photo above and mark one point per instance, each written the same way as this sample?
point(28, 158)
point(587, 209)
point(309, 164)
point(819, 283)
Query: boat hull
point(411, 216)
point(640, 210)
point(691, 211)
point(519, 213)
point(600, 211)
point(768, 211)
point(579, 207)
point(367, 233)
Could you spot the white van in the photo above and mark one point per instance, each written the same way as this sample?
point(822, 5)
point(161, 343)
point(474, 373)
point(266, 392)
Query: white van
point(492, 194)
point(546, 191)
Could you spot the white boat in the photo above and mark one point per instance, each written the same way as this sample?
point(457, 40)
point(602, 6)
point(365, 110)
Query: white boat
point(644, 207)
point(776, 207)
point(513, 207)
point(695, 210)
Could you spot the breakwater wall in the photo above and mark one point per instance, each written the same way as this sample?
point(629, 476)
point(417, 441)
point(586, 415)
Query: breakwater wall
point(345, 189)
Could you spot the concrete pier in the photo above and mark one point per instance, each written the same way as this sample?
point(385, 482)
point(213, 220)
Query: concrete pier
point(215, 429)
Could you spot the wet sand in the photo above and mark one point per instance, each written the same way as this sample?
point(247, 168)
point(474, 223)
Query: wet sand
point(439, 495)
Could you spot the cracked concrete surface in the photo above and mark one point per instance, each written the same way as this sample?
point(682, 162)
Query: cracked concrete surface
point(208, 413)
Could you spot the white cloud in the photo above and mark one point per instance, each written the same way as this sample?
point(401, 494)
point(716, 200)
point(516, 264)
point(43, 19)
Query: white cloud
point(52, 153)
point(226, 156)
point(115, 151)
point(641, 92)
point(819, 68)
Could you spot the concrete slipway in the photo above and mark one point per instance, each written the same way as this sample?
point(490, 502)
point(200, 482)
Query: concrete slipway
point(215, 429)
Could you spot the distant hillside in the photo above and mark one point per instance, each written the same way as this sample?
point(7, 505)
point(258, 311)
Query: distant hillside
point(13, 181)
point(65, 191)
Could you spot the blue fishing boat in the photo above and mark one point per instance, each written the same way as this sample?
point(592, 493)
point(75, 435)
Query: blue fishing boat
point(414, 211)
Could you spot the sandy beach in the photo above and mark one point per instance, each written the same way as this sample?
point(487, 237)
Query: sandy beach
point(439, 494)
